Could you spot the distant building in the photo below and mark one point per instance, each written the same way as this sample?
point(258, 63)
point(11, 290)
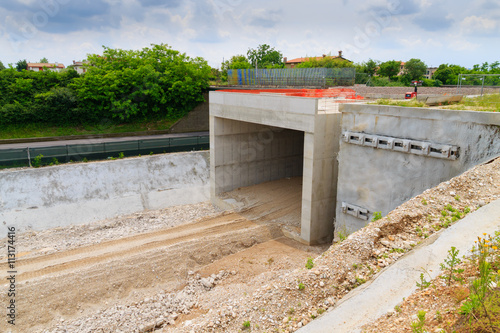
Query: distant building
point(401, 68)
point(40, 67)
point(80, 66)
point(430, 72)
point(294, 62)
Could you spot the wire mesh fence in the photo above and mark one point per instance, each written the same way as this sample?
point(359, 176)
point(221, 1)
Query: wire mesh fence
point(285, 77)
point(20, 157)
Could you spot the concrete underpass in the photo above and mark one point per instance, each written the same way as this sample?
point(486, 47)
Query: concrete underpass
point(257, 138)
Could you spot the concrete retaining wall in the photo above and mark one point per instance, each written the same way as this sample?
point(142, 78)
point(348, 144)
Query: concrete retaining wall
point(70, 194)
point(375, 178)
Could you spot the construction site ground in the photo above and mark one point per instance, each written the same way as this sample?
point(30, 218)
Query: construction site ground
point(196, 269)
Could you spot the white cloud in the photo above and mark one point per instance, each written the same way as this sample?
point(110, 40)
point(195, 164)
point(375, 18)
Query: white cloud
point(474, 25)
point(463, 45)
point(217, 29)
point(412, 42)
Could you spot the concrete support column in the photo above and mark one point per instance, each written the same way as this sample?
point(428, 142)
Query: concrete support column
point(319, 191)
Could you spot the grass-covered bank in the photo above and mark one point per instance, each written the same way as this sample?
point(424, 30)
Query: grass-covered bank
point(39, 130)
point(489, 103)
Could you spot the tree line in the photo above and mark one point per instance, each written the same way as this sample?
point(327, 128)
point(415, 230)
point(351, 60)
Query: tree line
point(119, 85)
point(161, 83)
point(388, 73)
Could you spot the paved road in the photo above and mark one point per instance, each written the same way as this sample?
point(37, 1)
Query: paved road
point(97, 140)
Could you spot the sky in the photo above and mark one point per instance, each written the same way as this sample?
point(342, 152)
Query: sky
point(459, 32)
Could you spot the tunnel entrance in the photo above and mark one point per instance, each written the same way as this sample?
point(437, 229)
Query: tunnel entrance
point(261, 137)
point(258, 171)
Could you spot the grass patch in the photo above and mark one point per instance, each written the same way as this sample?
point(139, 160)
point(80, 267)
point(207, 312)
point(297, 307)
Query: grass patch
point(44, 130)
point(489, 103)
point(394, 102)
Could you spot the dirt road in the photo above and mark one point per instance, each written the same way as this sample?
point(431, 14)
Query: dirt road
point(66, 284)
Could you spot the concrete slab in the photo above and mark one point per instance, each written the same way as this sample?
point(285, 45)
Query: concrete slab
point(437, 100)
point(373, 299)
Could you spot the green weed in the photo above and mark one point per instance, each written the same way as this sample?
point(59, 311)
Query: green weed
point(376, 216)
point(449, 266)
point(309, 263)
point(37, 161)
point(418, 326)
point(246, 325)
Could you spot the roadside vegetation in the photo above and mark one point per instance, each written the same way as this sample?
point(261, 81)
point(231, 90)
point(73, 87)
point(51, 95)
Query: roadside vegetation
point(391, 73)
point(472, 285)
point(122, 91)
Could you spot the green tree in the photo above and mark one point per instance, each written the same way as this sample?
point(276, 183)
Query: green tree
point(236, 62)
point(495, 67)
point(389, 68)
point(153, 82)
point(448, 74)
point(371, 67)
point(21, 65)
point(44, 61)
point(1, 66)
point(265, 56)
point(415, 69)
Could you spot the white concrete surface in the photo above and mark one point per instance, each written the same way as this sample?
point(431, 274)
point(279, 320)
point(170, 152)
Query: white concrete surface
point(376, 297)
point(78, 193)
point(381, 180)
point(256, 138)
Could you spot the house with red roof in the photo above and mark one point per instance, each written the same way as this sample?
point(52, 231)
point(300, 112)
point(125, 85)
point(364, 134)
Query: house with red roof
point(294, 62)
point(40, 67)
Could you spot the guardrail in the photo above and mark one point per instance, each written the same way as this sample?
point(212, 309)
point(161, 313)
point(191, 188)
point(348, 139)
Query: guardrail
point(99, 151)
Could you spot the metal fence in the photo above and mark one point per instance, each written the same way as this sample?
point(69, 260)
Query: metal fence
point(303, 77)
point(475, 80)
point(101, 151)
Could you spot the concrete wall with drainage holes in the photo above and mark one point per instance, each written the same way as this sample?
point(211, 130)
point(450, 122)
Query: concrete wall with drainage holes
point(78, 193)
point(390, 154)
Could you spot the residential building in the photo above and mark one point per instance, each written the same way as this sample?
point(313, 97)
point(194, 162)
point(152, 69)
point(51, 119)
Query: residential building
point(40, 67)
point(294, 62)
point(80, 66)
point(430, 72)
point(401, 68)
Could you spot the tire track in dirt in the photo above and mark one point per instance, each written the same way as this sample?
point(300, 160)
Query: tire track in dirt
point(72, 287)
point(125, 247)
